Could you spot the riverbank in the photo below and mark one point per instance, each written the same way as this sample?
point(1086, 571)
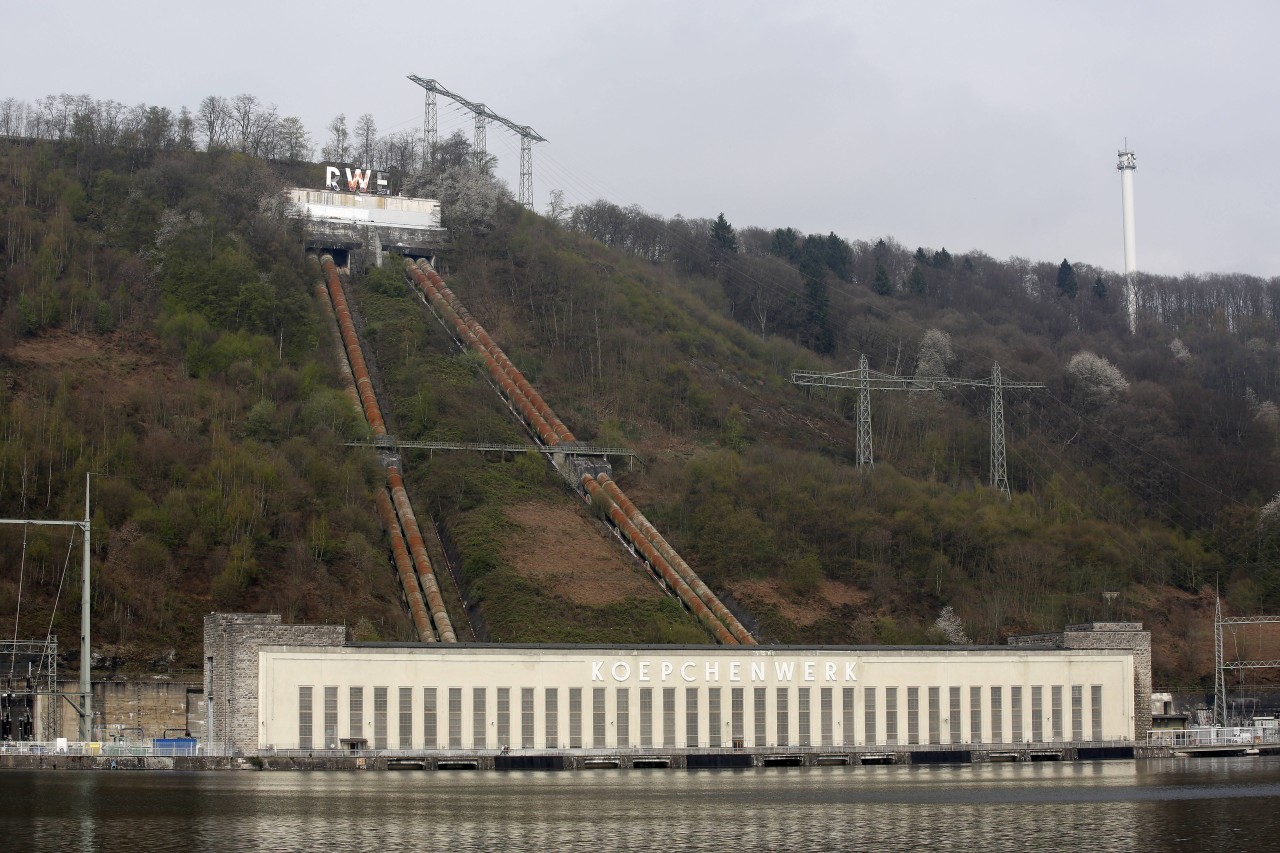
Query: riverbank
point(569, 760)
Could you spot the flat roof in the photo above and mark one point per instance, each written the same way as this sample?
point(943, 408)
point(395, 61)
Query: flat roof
point(709, 647)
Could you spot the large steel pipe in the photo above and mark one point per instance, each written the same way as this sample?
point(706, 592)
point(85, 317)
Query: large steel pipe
point(679, 576)
point(364, 385)
point(400, 498)
point(426, 575)
point(659, 563)
point(399, 551)
point(519, 399)
point(344, 366)
point(404, 568)
point(682, 568)
point(561, 431)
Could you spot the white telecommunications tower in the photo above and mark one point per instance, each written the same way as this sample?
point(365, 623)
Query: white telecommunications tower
point(1128, 163)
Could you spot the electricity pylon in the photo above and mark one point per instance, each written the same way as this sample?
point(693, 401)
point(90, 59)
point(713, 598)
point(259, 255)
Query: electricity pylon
point(867, 380)
point(483, 115)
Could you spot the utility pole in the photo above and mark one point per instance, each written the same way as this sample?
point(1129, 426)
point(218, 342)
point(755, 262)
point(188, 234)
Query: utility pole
point(484, 115)
point(85, 709)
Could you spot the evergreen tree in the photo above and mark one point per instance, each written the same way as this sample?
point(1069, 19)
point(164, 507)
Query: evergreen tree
point(921, 257)
point(786, 244)
point(813, 268)
point(839, 257)
point(942, 259)
point(918, 284)
point(1067, 284)
point(882, 286)
point(723, 240)
point(1099, 288)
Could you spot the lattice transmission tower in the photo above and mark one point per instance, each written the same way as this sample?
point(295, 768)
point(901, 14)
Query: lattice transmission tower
point(483, 115)
point(867, 380)
point(1221, 664)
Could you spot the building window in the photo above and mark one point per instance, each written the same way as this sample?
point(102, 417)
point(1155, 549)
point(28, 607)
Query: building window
point(802, 709)
point(935, 715)
point(826, 713)
point(1095, 709)
point(552, 701)
point(997, 715)
point(1015, 712)
point(575, 718)
point(598, 720)
point(406, 718)
point(713, 716)
point(891, 716)
point(455, 718)
point(783, 714)
point(1077, 713)
point(504, 717)
point(646, 717)
point(975, 714)
point(913, 715)
point(355, 701)
point(479, 717)
point(379, 718)
point(736, 711)
point(669, 716)
point(953, 715)
point(331, 717)
point(869, 734)
point(624, 717)
point(304, 718)
point(1055, 710)
point(1037, 713)
point(760, 715)
point(526, 717)
point(429, 721)
point(691, 717)
point(848, 737)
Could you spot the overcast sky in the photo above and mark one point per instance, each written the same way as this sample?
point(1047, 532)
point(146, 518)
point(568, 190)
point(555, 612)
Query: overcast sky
point(975, 125)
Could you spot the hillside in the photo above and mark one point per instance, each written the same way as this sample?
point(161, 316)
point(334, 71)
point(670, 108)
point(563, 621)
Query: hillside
point(158, 330)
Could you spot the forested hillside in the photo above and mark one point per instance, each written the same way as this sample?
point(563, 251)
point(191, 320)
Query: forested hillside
point(158, 329)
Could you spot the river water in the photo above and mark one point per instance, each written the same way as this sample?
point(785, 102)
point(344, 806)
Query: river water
point(1174, 804)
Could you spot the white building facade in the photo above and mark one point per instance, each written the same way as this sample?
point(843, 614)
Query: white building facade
point(558, 697)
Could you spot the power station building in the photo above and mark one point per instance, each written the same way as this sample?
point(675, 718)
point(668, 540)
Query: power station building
point(280, 687)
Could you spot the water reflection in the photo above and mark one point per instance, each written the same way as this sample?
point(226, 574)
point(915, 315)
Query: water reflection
point(1154, 805)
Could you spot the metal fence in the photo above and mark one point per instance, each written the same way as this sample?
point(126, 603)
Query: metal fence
point(109, 748)
point(1215, 736)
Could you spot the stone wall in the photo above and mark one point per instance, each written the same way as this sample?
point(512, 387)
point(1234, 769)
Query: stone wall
point(231, 643)
point(138, 710)
point(1109, 635)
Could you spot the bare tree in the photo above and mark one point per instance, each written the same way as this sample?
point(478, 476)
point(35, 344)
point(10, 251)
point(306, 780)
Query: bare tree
point(338, 149)
point(292, 140)
point(212, 118)
point(366, 139)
